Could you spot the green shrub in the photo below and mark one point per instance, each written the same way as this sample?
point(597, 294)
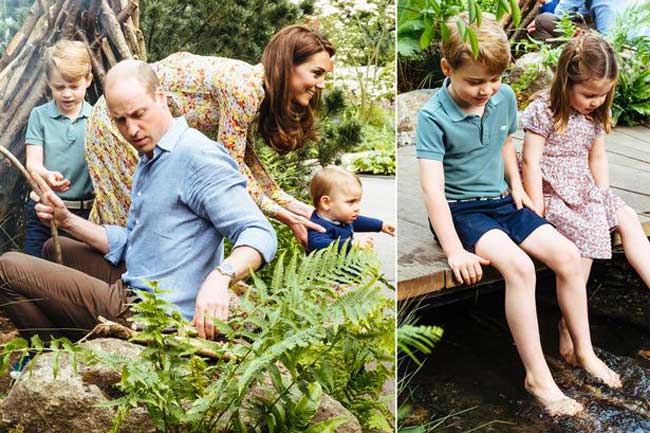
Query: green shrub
point(318, 322)
point(380, 162)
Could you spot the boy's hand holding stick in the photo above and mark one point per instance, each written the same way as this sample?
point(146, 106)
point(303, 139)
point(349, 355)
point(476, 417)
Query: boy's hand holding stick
point(43, 198)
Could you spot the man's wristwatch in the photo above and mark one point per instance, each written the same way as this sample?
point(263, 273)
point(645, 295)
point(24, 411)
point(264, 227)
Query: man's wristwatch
point(227, 270)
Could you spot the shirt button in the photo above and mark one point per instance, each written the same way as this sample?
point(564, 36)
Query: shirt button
point(139, 194)
point(137, 220)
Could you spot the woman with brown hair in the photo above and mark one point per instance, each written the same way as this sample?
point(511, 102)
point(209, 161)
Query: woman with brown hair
point(229, 101)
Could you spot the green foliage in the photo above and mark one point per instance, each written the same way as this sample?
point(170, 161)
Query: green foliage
point(225, 28)
point(12, 16)
point(421, 22)
point(364, 35)
point(315, 323)
point(412, 337)
point(380, 162)
point(632, 100)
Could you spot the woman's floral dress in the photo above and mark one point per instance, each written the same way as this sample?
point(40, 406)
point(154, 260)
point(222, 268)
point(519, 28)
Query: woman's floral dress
point(218, 96)
point(573, 202)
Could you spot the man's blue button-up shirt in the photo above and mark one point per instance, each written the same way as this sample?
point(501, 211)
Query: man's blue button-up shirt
point(185, 200)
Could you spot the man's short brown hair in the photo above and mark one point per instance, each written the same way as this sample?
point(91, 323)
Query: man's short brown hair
point(494, 48)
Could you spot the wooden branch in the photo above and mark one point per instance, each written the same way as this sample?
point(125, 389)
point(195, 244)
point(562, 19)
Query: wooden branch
point(108, 53)
point(53, 229)
point(114, 31)
point(108, 328)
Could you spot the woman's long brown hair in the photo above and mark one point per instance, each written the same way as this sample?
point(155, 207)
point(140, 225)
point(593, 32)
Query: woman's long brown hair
point(587, 56)
point(283, 124)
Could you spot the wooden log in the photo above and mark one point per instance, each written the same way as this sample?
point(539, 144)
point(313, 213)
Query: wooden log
point(21, 36)
point(114, 31)
point(22, 84)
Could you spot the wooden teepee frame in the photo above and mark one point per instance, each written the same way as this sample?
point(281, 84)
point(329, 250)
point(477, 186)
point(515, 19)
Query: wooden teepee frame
point(111, 28)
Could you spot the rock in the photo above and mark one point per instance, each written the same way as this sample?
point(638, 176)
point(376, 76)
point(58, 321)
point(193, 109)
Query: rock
point(38, 403)
point(408, 105)
point(528, 76)
point(41, 404)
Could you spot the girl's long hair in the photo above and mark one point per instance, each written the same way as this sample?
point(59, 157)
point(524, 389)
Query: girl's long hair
point(587, 56)
point(283, 124)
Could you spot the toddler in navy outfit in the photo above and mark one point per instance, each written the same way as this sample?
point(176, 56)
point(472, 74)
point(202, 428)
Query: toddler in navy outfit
point(336, 194)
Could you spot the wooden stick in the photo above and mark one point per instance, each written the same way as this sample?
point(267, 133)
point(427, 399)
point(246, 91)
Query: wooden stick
point(109, 328)
point(53, 230)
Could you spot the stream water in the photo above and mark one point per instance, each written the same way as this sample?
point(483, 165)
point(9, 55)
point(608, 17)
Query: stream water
point(475, 366)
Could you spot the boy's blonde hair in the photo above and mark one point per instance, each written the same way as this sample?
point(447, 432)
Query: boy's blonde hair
point(494, 48)
point(328, 179)
point(69, 58)
point(587, 56)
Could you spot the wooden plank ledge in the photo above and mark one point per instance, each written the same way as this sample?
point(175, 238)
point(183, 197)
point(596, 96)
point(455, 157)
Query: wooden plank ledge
point(422, 265)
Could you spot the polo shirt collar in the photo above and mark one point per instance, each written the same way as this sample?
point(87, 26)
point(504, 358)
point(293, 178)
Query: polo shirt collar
point(53, 110)
point(454, 111)
point(169, 140)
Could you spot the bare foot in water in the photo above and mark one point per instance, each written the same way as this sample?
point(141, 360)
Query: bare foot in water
point(566, 344)
point(597, 368)
point(553, 399)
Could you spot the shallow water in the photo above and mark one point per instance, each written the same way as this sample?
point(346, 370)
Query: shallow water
point(476, 364)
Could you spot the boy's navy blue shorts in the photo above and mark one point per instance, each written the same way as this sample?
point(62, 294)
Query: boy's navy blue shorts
point(473, 218)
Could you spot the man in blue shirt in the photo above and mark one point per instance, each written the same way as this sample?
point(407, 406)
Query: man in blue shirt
point(187, 195)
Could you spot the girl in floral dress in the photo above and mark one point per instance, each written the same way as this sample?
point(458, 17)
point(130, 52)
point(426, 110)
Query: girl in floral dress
point(564, 163)
point(229, 101)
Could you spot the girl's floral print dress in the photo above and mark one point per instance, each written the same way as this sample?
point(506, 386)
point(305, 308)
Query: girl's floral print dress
point(573, 202)
point(219, 97)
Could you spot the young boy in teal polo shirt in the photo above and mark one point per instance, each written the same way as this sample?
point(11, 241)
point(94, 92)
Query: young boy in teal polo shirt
point(56, 134)
point(480, 214)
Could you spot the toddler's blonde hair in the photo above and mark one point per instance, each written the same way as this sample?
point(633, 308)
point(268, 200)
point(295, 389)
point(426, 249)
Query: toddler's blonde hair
point(69, 58)
point(328, 179)
point(494, 48)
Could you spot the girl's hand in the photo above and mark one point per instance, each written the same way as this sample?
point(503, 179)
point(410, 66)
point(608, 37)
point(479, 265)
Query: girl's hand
point(388, 229)
point(521, 199)
point(57, 182)
point(298, 225)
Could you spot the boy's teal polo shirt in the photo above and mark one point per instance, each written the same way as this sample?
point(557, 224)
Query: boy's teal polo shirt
point(63, 143)
point(469, 146)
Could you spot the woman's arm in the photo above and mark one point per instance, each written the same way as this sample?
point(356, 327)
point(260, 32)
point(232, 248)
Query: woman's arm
point(598, 163)
point(531, 169)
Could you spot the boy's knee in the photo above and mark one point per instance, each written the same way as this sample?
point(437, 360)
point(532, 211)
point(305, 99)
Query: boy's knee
point(567, 259)
point(521, 268)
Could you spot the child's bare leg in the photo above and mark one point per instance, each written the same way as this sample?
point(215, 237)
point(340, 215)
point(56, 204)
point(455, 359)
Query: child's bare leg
point(635, 242)
point(566, 345)
point(518, 272)
point(562, 256)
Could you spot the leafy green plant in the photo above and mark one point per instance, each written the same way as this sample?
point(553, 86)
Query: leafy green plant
point(380, 162)
point(319, 322)
point(420, 22)
point(412, 338)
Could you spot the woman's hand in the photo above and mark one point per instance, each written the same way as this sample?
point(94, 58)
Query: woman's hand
point(298, 225)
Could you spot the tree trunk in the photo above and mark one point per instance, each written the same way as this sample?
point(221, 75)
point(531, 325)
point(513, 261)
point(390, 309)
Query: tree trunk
point(111, 30)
